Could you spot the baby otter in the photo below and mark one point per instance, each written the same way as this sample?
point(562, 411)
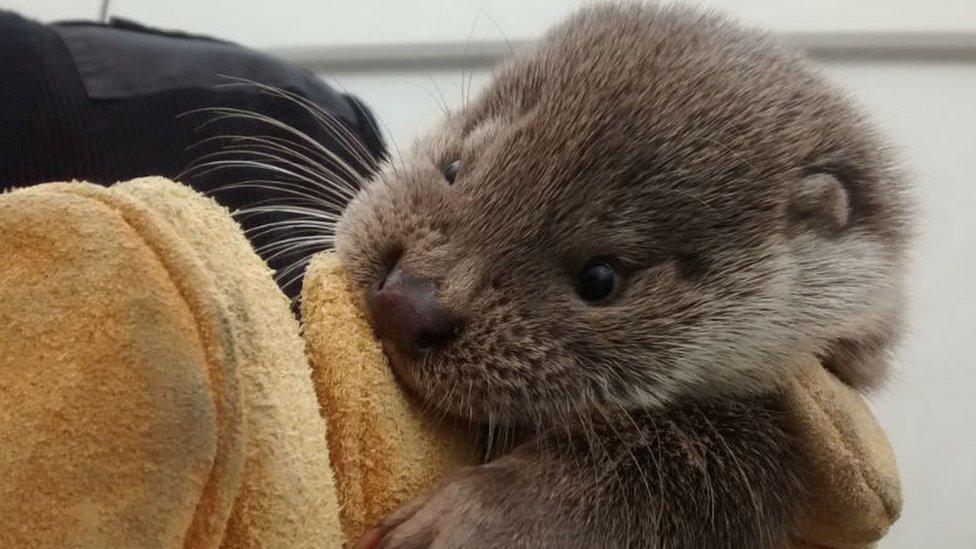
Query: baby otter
point(619, 247)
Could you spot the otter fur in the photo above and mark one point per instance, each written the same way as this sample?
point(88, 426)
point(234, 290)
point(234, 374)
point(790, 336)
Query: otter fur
point(746, 214)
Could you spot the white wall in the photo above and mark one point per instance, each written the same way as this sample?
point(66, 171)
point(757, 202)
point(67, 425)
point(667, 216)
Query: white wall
point(926, 106)
point(279, 23)
point(929, 408)
point(54, 10)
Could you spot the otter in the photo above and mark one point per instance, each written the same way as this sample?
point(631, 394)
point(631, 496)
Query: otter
point(617, 250)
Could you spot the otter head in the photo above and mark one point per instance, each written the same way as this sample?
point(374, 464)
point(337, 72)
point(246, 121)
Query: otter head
point(651, 204)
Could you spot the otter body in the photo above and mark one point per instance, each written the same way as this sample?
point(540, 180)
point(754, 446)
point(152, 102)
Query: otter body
point(716, 475)
point(619, 247)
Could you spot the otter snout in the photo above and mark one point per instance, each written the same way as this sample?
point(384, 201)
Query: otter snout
point(405, 312)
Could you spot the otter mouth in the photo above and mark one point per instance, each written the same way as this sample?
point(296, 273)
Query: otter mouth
point(397, 365)
point(427, 399)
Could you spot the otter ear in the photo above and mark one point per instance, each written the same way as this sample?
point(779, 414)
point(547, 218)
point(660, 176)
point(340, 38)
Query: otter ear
point(820, 201)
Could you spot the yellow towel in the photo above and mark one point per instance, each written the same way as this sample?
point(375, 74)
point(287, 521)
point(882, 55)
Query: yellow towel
point(153, 389)
point(383, 449)
point(851, 471)
point(154, 392)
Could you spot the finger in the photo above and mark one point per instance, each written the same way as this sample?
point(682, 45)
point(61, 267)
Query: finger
point(402, 513)
point(412, 534)
point(375, 536)
point(370, 539)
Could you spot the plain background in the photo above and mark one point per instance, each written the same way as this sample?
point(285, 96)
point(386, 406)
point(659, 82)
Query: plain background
point(928, 107)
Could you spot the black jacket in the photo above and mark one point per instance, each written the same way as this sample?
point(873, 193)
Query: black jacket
point(106, 103)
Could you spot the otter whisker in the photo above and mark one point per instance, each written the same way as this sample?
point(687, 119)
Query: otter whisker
point(498, 27)
point(295, 265)
point(353, 145)
point(323, 204)
point(228, 112)
point(279, 143)
point(296, 210)
point(314, 157)
point(308, 250)
point(627, 444)
point(284, 189)
point(754, 500)
point(292, 242)
point(208, 161)
point(315, 244)
point(490, 437)
point(314, 169)
point(658, 461)
point(445, 109)
point(305, 229)
point(467, 47)
point(298, 268)
point(298, 224)
point(386, 131)
point(215, 165)
point(333, 200)
point(264, 145)
point(440, 406)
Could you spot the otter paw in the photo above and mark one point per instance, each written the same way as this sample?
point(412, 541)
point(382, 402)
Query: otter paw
point(453, 515)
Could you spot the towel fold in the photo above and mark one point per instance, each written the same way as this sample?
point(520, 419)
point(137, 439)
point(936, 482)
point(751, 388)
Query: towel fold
point(384, 449)
point(153, 386)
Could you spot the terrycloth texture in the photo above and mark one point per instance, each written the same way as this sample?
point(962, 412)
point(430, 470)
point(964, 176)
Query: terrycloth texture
point(153, 390)
point(853, 477)
point(384, 450)
point(287, 494)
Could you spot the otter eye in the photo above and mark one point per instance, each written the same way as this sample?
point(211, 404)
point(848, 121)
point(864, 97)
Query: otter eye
point(597, 282)
point(451, 171)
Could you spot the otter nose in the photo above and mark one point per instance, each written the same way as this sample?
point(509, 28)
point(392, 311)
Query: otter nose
point(405, 312)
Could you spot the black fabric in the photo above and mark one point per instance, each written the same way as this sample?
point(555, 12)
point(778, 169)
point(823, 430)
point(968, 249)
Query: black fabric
point(106, 103)
point(154, 61)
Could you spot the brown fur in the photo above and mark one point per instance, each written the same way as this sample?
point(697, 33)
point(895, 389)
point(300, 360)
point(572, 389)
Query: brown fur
point(754, 213)
point(713, 476)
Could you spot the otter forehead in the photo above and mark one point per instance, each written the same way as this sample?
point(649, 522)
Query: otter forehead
point(680, 89)
point(602, 133)
point(666, 99)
